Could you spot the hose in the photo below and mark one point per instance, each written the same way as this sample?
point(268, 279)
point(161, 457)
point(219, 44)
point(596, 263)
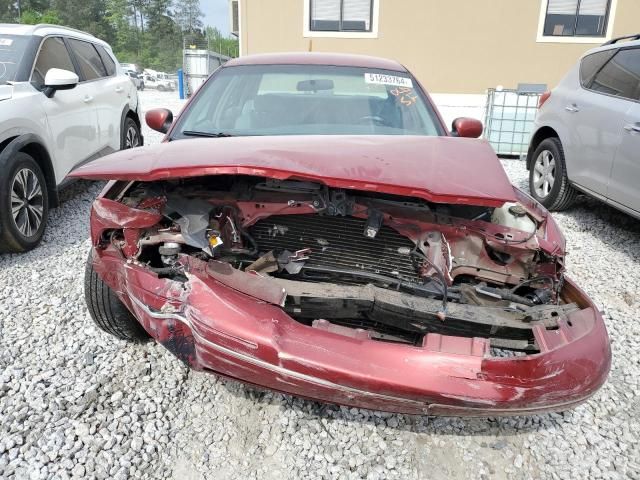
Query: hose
point(532, 280)
point(252, 241)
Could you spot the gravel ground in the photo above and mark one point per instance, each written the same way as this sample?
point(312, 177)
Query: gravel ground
point(75, 402)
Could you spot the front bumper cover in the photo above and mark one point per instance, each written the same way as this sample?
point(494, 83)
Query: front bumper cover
point(216, 328)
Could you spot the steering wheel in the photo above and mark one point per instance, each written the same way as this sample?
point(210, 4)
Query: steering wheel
point(375, 119)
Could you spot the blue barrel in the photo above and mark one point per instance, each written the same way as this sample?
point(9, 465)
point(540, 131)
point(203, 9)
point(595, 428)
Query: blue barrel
point(180, 84)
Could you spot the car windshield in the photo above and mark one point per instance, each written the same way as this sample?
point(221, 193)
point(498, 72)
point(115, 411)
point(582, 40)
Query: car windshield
point(11, 50)
point(308, 100)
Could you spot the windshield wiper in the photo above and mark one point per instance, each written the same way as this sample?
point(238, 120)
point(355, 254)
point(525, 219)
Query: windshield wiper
point(194, 133)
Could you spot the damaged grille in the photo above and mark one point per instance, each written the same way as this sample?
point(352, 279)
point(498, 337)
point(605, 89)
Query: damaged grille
point(338, 242)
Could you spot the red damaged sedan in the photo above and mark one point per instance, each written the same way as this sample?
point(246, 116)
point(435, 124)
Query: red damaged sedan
point(310, 226)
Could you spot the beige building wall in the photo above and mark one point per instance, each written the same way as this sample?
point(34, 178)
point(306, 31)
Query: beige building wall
point(452, 46)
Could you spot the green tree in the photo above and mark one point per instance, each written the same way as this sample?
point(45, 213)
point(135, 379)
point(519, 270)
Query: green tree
point(33, 17)
point(221, 44)
point(189, 16)
point(8, 11)
point(150, 33)
point(87, 15)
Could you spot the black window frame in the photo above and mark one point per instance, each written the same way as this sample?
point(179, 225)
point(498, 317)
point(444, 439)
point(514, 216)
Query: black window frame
point(340, 21)
point(575, 23)
point(587, 86)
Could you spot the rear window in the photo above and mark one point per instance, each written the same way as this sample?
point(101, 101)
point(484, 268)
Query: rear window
point(12, 48)
point(591, 64)
point(620, 76)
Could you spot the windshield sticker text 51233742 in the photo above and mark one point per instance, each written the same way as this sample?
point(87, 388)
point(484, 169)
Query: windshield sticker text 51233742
point(382, 79)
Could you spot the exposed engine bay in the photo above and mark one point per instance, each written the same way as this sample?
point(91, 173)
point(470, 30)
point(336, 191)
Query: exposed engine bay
point(394, 267)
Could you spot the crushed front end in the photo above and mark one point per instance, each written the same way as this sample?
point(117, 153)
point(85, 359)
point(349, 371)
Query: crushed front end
point(354, 297)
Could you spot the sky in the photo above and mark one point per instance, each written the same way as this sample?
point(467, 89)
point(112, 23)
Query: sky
point(216, 14)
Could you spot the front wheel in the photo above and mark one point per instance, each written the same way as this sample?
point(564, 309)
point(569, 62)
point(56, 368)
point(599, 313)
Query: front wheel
point(107, 311)
point(24, 204)
point(548, 181)
point(130, 135)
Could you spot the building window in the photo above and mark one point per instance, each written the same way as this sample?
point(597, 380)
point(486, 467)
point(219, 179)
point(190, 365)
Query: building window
point(341, 15)
point(235, 18)
point(576, 18)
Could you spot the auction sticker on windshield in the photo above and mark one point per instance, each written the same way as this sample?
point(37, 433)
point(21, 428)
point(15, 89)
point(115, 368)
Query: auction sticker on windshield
point(5, 42)
point(382, 79)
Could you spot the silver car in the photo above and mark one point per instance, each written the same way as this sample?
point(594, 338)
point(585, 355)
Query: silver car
point(586, 136)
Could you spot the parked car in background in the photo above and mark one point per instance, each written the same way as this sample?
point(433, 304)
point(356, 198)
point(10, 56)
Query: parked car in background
point(586, 136)
point(173, 78)
point(64, 100)
point(341, 245)
point(155, 73)
point(162, 76)
point(131, 67)
point(153, 82)
point(135, 78)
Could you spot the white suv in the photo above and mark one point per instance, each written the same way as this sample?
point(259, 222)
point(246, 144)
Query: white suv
point(64, 100)
point(151, 81)
point(587, 132)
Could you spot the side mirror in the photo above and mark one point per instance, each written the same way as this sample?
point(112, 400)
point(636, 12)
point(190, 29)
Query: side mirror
point(159, 119)
point(466, 127)
point(58, 79)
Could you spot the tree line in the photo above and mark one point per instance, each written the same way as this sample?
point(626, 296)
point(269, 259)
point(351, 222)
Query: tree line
point(149, 33)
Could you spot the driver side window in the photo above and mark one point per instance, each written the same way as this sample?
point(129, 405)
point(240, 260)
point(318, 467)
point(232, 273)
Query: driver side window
point(53, 54)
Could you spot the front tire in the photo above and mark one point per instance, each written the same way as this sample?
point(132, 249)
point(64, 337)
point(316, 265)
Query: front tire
point(107, 311)
point(24, 204)
point(548, 181)
point(131, 137)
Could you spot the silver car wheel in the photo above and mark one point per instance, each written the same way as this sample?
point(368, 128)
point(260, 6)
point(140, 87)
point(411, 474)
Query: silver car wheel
point(132, 139)
point(544, 173)
point(27, 202)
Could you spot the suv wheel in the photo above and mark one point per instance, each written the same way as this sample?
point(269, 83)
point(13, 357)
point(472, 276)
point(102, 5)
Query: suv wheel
point(548, 181)
point(107, 311)
point(130, 134)
point(24, 204)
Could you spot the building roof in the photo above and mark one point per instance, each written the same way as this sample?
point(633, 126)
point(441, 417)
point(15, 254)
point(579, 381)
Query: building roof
point(44, 29)
point(317, 58)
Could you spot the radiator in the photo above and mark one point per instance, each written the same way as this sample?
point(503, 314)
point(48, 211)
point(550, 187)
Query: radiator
point(338, 242)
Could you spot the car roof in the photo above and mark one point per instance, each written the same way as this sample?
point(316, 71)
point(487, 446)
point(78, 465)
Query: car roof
point(317, 58)
point(43, 30)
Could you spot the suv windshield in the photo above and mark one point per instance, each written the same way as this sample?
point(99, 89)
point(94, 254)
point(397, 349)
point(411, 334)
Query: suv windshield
point(11, 50)
point(308, 100)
